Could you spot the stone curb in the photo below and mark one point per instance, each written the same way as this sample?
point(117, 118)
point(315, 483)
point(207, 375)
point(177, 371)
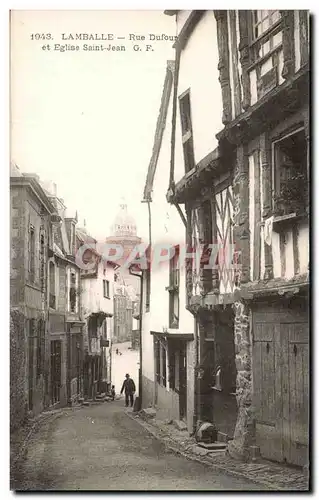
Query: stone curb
point(157, 433)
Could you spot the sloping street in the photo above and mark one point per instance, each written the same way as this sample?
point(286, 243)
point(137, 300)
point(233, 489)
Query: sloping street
point(126, 361)
point(101, 448)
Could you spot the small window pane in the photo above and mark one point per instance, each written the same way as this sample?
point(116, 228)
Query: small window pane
point(277, 39)
point(275, 16)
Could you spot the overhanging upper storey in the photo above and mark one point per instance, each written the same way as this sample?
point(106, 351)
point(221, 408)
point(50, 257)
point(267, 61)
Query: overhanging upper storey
point(200, 177)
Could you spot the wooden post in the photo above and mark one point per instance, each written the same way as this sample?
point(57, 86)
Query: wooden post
point(223, 65)
point(243, 16)
point(266, 173)
point(288, 43)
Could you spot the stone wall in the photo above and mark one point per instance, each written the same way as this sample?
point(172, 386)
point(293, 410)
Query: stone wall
point(18, 403)
point(167, 404)
point(147, 392)
point(244, 431)
point(190, 364)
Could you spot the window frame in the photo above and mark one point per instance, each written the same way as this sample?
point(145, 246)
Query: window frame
point(256, 43)
point(187, 130)
point(276, 170)
point(31, 260)
point(73, 310)
point(52, 296)
point(173, 290)
point(106, 289)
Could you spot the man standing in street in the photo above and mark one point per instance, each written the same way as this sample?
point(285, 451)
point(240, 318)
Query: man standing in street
point(129, 388)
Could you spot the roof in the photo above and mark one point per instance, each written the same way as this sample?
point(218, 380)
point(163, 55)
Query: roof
point(159, 131)
point(32, 182)
point(85, 238)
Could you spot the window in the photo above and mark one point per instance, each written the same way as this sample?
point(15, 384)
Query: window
point(92, 327)
point(106, 289)
point(263, 20)
point(52, 297)
point(266, 32)
point(290, 173)
point(187, 131)
point(105, 329)
point(174, 290)
point(31, 263)
point(42, 262)
point(72, 291)
point(75, 355)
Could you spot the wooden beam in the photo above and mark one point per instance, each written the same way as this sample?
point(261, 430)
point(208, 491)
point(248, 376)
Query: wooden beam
point(295, 234)
point(241, 210)
point(234, 62)
point(256, 268)
point(188, 28)
point(304, 36)
point(288, 44)
point(244, 16)
point(223, 65)
point(266, 173)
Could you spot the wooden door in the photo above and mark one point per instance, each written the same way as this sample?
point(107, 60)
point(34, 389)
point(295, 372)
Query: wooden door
point(55, 370)
point(280, 385)
point(295, 374)
point(182, 384)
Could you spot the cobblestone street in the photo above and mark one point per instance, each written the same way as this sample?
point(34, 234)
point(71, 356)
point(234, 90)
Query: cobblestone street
point(101, 448)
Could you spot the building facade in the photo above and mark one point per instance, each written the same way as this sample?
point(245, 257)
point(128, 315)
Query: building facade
point(245, 188)
point(31, 216)
point(167, 327)
point(45, 304)
point(97, 290)
point(65, 309)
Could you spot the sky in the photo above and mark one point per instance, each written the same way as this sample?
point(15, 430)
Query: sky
point(86, 119)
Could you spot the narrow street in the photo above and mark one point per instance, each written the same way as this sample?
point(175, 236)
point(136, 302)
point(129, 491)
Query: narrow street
point(126, 362)
point(101, 448)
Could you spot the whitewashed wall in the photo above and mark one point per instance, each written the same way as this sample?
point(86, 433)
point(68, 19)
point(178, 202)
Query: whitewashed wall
point(93, 299)
point(199, 73)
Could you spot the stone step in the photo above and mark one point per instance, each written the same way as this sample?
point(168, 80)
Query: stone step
point(100, 396)
point(212, 446)
point(180, 425)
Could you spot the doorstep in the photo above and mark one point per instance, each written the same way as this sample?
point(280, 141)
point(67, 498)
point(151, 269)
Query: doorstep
point(271, 475)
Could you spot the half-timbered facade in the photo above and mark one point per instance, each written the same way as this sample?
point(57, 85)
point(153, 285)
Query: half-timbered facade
point(249, 196)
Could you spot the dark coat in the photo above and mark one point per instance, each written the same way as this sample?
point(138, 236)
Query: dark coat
point(128, 386)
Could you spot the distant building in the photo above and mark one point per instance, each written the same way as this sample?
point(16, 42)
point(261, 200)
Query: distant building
point(127, 287)
point(98, 309)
